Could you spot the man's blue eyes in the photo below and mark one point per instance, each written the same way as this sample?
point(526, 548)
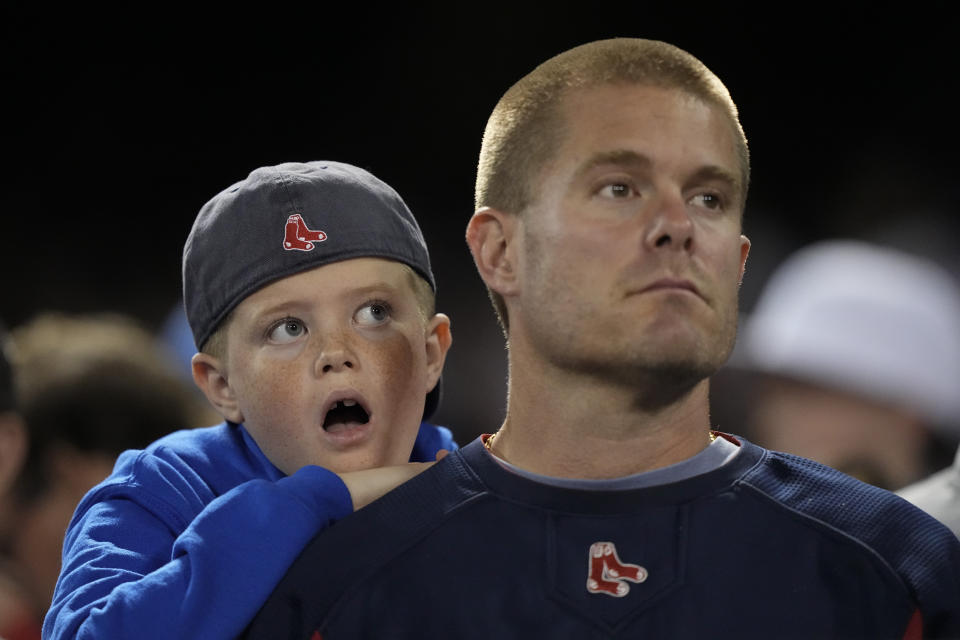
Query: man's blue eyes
point(623, 190)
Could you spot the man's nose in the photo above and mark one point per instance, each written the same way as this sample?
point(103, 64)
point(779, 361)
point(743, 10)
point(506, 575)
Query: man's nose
point(671, 226)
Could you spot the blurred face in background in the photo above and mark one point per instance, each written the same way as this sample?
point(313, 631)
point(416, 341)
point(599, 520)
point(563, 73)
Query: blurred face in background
point(874, 442)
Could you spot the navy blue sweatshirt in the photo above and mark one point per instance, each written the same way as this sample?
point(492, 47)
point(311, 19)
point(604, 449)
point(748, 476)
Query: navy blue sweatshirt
point(766, 546)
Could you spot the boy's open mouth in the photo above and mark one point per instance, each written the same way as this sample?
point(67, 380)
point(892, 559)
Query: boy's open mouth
point(344, 415)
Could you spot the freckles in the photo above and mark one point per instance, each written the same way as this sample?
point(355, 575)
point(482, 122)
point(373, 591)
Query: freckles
point(279, 378)
point(276, 388)
point(398, 362)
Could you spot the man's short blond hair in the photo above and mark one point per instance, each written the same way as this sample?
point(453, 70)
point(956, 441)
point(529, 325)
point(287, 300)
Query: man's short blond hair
point(526, 128)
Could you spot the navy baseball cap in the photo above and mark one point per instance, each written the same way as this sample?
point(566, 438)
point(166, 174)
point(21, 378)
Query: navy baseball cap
point(289, 218)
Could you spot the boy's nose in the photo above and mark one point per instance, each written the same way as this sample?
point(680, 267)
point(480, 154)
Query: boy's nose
point(336, 359)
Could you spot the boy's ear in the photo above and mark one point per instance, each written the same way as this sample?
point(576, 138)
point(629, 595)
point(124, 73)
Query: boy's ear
point(493, 240)
point(438, 341)
point(210, 375)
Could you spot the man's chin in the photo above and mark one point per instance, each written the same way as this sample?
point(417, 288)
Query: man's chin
point(657, 381)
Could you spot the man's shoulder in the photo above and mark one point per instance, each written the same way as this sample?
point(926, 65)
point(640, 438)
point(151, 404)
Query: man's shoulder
point(834, 504)
point(424, 502)
point(374, 536)
point(821, 492)
point(412, 510)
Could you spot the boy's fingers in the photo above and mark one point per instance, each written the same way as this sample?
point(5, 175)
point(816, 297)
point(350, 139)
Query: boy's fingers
point(442, 454)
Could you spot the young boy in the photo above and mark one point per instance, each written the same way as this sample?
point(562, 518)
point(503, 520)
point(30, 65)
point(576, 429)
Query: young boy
point(309, 290)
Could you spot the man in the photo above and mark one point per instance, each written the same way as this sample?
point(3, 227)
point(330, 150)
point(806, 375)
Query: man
point(610, 192)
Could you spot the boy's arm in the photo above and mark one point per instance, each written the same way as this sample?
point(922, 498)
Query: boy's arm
point(120, 578)
point(369, 484)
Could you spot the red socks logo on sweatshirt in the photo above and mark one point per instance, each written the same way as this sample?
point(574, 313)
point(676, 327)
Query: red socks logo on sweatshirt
point(607, 574)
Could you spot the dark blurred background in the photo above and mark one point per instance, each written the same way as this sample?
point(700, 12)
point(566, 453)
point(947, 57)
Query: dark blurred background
point(119, 127)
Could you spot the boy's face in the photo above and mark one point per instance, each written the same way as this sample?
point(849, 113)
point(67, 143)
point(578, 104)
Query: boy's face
point(330, 366)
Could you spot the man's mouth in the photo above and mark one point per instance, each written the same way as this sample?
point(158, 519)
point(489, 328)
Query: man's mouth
point(671, 283)
point(343, 415)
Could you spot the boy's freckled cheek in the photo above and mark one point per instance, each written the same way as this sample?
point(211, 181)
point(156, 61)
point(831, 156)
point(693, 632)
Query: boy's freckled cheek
point(279, 381)
point(398, 361)
point(275, 386)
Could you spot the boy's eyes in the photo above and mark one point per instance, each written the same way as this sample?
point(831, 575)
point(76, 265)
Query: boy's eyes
point(373, 313)
point(286, 331)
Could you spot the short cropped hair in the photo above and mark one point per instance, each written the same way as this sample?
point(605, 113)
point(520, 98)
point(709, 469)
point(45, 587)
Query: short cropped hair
point(216, 344)
point(525, 128)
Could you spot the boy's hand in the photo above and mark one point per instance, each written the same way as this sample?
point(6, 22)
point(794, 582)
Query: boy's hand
point(367, 485)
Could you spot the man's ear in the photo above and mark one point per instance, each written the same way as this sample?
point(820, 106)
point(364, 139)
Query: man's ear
point(211, 376)
point(493, 238)
point(744, 252)
point(438, 341)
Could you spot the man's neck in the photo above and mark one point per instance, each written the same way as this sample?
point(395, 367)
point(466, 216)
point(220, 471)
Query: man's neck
point(567, 425)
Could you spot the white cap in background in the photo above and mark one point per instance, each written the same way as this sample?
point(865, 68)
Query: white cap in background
point(864, 318)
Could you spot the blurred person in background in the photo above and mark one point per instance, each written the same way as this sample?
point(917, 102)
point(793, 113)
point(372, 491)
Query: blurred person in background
point(87, 388)
point(939, 495)
point(19, 618)
point(856, 352)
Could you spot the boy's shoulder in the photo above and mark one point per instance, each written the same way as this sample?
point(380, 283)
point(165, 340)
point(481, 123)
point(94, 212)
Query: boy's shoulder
point(186, 441)
point(184, 470)
point(208, 452)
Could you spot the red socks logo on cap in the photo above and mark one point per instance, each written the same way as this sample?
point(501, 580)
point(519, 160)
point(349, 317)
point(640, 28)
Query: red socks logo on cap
point(298, 236)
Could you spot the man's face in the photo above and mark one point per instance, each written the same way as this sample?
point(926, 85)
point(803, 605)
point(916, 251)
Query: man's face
point(631, 253)
point(330, 366)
